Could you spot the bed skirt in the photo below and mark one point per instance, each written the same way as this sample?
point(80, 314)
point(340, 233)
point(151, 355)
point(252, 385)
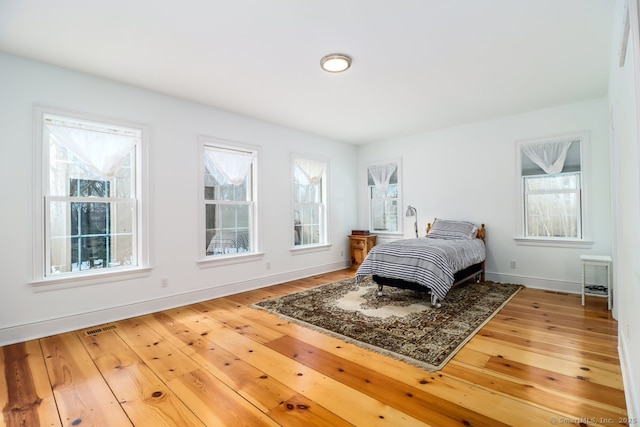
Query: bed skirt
point(475, 271)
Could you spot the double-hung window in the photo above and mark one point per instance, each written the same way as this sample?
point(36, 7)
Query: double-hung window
point(383, 190)
point(551, 184)
point(309, 202)
point(229, 199)
point(89, 197)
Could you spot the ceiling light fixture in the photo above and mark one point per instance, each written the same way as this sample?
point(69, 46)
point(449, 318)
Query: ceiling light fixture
point(335, 63)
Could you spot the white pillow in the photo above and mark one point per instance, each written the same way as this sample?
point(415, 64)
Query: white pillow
point(452, 230)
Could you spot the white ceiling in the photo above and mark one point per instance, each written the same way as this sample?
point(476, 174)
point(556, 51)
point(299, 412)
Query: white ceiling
point(418, 65)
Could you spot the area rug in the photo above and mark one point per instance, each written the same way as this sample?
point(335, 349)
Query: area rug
point(401, 323)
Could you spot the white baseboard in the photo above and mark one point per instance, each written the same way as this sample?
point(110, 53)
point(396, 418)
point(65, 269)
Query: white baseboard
point(632, 395)
point(536, 282)
point(33, 330)
point(28, 331)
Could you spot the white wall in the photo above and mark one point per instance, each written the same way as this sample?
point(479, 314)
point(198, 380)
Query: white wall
point(624, 99)
point(469, 173)
point(174, 125)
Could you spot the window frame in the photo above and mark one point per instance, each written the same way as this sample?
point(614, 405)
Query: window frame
point(204, 260)
point(583, 220)
point(399, 212)
point(324, 242)
point(140, 266)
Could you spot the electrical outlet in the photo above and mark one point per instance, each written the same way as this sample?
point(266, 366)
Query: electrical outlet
point(513, 264)
point(268, 266)
point(164, 283)
point(342, 253)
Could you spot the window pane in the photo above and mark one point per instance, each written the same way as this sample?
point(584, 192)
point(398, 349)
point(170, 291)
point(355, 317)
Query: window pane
point(384, 215)
point(88, 188)
point(89, 235)
point(229, 173)
point(310, 234)
point(124, 182)
point(88, 252)
point(390, 193)
point(89, 218)
point(65, 167)
point(307, 224)
point(215, 190)
point(233, 192)
point(307, 193)
point(123, 215)
point(123, 233)
point(122, 246)
point(227, 228)
point(552, 215)
point(62, 166)
point(551, 182)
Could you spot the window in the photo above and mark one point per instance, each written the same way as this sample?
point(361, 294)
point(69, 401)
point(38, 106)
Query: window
point(309, 202)
point(551, 182)
point(90, 225)
point(229, 199)
point(91, 197)
point(384, 195)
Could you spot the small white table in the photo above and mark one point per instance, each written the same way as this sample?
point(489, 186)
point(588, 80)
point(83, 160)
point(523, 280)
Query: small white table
point(597, 290)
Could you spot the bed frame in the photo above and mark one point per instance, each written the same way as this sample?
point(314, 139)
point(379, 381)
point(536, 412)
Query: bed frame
point(475, 272)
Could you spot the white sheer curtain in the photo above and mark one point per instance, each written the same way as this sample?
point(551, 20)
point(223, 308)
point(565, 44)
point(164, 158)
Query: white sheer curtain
point(233, 166)
point(102, 152)
point(549, 156)
point(309, 170)
point(381, 175)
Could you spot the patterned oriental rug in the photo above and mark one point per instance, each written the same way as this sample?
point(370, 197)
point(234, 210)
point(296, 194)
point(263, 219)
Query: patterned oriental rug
point(401, 323)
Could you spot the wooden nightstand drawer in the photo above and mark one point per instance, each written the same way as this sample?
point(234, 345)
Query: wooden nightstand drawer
point(358, 243)
point(359, 247)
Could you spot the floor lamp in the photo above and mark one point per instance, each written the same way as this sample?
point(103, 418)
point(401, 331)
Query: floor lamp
point(411, 211)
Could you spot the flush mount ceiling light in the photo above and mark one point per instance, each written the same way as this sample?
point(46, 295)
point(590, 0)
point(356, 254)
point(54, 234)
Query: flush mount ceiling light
point(335, 63)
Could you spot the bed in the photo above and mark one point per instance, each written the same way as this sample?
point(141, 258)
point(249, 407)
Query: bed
point(452, 252)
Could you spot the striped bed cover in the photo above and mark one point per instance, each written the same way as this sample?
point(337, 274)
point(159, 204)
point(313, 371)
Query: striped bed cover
point(427, 261)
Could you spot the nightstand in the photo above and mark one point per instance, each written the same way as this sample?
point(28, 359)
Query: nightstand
point(359, 247)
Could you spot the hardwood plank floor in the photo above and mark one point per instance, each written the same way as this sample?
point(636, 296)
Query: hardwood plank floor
point(543, 360)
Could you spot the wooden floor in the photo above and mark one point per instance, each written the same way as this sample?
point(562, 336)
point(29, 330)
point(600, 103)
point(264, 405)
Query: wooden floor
point(543, 360)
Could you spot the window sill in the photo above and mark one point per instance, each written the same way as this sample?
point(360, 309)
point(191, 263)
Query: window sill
point(218, 260)
point(553, 243)
point(70, 280)
point(298, 250)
